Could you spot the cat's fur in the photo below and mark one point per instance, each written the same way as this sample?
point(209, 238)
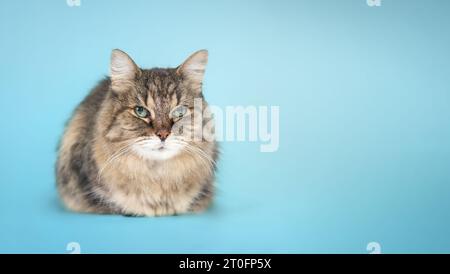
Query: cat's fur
point(99, 171)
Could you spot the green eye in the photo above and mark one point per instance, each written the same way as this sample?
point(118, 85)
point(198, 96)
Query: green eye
point(141, 112)
point(179, 112)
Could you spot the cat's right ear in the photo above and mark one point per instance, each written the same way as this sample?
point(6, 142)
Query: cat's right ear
point(123, 70)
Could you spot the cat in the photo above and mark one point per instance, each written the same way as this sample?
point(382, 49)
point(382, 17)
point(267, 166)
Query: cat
point(128, 148)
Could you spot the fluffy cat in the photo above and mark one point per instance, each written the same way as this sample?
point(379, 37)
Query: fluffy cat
point(129, 149)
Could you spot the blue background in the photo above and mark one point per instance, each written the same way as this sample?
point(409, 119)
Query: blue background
point(364, 122)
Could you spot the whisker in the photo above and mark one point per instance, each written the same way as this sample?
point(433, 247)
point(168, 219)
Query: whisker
point(120, 152)
point(208, 162)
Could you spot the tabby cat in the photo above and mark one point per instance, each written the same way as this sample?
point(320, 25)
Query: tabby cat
point(129, 147)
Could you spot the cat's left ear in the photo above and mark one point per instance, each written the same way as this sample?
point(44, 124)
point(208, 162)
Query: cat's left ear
point(123, 70)
point(193, 69)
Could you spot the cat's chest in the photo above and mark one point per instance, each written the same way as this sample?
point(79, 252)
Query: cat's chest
point(154, 190)
point(151, 199)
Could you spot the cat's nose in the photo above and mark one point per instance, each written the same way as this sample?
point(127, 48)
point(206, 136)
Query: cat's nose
point(162, 134)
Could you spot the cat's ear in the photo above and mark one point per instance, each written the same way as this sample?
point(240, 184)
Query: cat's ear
point(193, 69)
point(123, 70)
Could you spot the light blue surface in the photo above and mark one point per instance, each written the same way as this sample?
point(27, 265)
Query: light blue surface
point(364, 100)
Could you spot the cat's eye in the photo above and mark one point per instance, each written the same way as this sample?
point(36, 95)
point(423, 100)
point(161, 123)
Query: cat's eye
point(141, 112)
point(179, 112)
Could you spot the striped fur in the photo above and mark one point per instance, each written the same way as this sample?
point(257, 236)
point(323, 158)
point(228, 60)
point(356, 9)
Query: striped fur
point(98, 173)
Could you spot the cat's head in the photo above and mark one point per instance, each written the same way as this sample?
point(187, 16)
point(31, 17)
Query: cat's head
point(151, 111)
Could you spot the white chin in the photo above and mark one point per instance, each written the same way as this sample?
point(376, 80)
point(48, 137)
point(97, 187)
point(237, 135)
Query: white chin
point(154, 153)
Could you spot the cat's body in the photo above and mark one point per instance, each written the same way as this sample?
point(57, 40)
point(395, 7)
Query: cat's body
point(123, 151)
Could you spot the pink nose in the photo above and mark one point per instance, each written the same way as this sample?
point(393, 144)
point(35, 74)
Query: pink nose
point(162, 134)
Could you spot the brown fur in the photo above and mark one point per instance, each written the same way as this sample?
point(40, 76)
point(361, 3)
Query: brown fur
point(90, 175)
